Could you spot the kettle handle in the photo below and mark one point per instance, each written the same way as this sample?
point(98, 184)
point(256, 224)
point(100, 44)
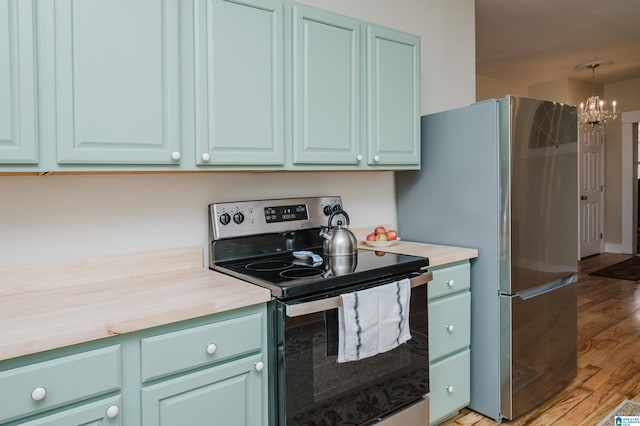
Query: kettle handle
point(336, 212)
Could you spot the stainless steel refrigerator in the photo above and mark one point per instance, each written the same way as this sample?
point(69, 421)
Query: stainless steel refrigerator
point(501, 176)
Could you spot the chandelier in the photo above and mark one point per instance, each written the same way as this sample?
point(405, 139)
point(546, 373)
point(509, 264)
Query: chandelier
point(593, 118)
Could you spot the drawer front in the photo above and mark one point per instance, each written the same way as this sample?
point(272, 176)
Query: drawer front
point(41, 386)
point(449, 325)
point(449, 386)
point(450, 280)
point(105, 412)
point(182, 350)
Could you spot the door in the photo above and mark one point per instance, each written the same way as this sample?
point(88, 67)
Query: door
point(232, 394)
point(314, 388)
point(239, 82)
point(117, 81)
point(18, 103)
point(538, 356)
point(591, 180)
point(393, 97)
point(543, 171)
point(326, 88)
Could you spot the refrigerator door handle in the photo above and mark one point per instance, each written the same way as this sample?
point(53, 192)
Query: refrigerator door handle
point(553, 285)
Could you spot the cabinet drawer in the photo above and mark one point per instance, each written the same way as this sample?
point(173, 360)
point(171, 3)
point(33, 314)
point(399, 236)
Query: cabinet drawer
point(41, 386)
point(450, 280)
point(449, 325)
point(449, 386)
point(104, 412)
point(182, 350)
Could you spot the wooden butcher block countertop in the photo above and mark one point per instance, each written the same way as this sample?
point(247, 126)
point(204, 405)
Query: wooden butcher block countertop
point(49, 306)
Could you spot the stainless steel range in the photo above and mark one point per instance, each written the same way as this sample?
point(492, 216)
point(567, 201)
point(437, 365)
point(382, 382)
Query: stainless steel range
point(282, 245)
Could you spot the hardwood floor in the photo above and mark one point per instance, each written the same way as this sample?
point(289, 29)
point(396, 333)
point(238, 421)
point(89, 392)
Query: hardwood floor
point(608, 354)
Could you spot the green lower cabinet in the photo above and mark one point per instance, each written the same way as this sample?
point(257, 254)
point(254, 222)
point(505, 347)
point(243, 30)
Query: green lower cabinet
point(206, 371)
point(105, 412)
point(59, 382)
point(229, 394)
point(449, 386)
point(449, 340)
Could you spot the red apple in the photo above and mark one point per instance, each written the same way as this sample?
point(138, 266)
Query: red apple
point(371, 237)
point(392, 234)
point(380, 230)
point(381, 237)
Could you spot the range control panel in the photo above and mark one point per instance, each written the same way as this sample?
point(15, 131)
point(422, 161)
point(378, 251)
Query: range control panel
point(242, 218)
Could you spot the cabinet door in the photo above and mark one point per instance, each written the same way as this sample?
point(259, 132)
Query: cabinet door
point(239, 82)
point(393, 97)
point(117, 81)
point(106, 412)
point(232, 394)
point(326, 88)
point(18, 105)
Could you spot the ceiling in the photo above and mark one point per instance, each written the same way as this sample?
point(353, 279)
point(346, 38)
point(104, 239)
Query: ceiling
point(534, 41)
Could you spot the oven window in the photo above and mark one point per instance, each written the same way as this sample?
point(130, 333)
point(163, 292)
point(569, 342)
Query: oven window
point(319, 390)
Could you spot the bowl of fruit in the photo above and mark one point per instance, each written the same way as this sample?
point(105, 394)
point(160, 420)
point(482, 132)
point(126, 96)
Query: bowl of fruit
point(382, 237)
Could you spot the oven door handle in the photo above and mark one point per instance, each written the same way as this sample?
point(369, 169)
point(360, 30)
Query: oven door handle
point(299, 309)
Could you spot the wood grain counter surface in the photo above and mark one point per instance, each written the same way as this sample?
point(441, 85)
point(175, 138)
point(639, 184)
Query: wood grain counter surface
point(49, 306)
point(46, 307)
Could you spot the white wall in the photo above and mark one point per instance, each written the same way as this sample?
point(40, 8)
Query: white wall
point(53, 218)
point(488, 88)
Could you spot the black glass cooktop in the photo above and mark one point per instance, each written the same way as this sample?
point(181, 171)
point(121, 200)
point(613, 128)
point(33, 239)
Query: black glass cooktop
point(288, 276)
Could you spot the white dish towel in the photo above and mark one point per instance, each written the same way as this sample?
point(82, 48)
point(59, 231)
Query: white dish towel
point(373, 321)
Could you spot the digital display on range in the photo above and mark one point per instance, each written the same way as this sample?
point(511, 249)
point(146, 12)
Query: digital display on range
point(285, 213)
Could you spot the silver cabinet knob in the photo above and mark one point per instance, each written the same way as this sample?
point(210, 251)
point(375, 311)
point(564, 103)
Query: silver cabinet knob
point(376, 158)
point(359, 157)
point(450, 389)
point(451, 283)
point(206, 157)
point(259, 366)
point(450, 328)
point(175, 155)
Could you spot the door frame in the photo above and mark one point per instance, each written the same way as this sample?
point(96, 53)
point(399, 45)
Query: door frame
point(629, 188)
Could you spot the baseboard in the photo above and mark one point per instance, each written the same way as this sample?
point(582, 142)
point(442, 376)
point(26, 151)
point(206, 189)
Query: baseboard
point(614, 248)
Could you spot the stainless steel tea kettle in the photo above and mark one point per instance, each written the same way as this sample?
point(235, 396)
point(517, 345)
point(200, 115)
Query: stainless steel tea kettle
point(338, 240)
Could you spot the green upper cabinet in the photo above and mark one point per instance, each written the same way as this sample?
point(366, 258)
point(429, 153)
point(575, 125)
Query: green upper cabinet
point(18, 95)
point(326, 88)
point(356, 96)
point(117, 81)
point(239, 82)
point(393, 97)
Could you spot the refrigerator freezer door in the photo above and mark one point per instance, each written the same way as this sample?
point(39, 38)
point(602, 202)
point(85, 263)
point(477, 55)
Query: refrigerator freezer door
point(537, 347)
point(539, 166)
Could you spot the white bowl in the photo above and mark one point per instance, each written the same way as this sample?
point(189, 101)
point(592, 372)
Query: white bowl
point(381, 243)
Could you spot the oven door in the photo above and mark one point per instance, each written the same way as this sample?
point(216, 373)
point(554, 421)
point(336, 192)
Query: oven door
point(312, 388)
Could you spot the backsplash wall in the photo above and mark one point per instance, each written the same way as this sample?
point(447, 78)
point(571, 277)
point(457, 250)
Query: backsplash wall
point(61, 217)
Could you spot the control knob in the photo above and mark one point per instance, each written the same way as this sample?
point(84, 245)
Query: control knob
point(225, 218)
point(238, 218)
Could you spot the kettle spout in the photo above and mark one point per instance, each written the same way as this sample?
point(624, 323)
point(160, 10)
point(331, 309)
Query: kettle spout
point(326, 233)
